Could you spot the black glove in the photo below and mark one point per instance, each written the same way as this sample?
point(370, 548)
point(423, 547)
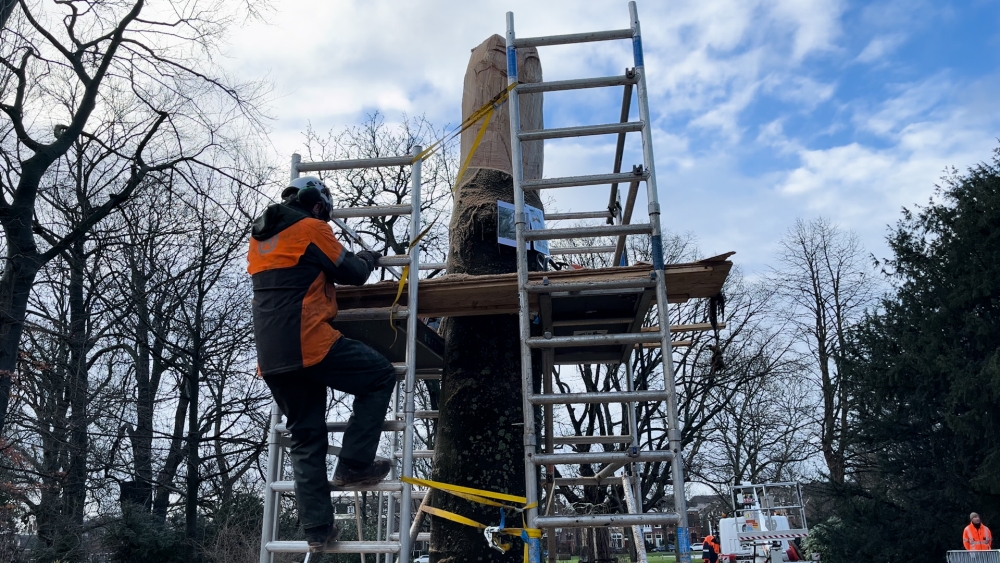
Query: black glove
point(369, 258)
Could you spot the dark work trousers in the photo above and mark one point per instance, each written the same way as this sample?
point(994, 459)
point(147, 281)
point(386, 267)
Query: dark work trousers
point(351, 367)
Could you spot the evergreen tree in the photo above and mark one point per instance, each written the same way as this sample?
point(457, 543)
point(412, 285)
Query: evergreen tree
point(924, 371)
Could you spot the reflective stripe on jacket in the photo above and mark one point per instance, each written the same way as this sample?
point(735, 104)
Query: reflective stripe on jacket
point(977, 540)
point(294, 260)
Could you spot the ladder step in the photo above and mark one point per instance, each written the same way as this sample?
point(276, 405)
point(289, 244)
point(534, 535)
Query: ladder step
point(429, 373)
point(394, 260)
point(600, 457)
point(580, 131)
point(580, 250)
point(371, 211)
point(591, 180)
point(433, 266)
point(372, 314)
point(381, 487)
point(616, 439)
point(417, 454)
point(321, 166)
point(595, 231)
point(589, 286)
point(576, 83)
point(588, 37)
point(603, 214)
point(596, 520)
point(336, 547)
point(593, 340)
point(336, 426)
point(597, 321)
point(422, 536)
point(599, 397)
point(584, 481)
point(420, 414)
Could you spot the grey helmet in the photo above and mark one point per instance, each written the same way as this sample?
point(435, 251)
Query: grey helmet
point(306, 191)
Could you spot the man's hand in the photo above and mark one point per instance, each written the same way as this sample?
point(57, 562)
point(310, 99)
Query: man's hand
point(370, 258)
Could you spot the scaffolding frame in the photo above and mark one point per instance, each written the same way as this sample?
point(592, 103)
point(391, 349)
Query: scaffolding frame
point(390, 541)
point(619, 225)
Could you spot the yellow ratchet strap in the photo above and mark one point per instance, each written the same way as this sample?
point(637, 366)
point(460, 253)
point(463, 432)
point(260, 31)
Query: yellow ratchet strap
point(475, 495)
point(486, 111)
point(404, 277)
point(475, 116)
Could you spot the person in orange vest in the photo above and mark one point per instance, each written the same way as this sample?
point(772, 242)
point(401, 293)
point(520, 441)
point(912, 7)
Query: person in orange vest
point(710, 549)
point(977, 536)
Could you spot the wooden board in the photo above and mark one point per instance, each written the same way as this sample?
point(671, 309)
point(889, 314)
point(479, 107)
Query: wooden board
point(461, 295)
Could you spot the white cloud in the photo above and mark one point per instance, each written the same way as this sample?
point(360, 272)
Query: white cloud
point(879, 48)
point(707, 62)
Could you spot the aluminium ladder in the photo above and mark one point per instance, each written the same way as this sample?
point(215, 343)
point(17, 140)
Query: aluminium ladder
point(391, 541)
point(592, 348)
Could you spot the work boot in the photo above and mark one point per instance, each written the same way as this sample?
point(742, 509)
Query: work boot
point(346, 477)
point(322, 538)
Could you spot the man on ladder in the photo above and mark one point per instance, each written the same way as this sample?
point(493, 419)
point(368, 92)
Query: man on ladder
point(294, 260)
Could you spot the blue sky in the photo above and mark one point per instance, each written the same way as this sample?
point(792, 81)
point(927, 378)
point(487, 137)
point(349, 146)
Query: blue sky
point(763, 111)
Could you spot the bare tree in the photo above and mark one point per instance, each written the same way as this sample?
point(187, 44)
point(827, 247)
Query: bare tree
point(374, 138)
point(825, 284)
point(742, 367)
point(144, 76)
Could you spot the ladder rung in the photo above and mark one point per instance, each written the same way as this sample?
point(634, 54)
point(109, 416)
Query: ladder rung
point(587, 322)
point(354, 164)
point(576, 83)
point(580, 250)
point(371, 211)
point(336, 547)
point(580, 131)
point(584, 481)
point(595, 520)
point(616, 439)
point(422, 536)
point(595, 231)
point(420, 376)
point(422, 373)
point(336, 426)
point(372, 314)
point(600, 457)
point(420, 414)
point(589, 286)
point(415, 495)
point(603, 214)
point(598, 397)
point(433, 266)
point(592, 340)
point(417, 454)
point(588, 37)
point(394, 260)
point(591, 180)
point(381, 487)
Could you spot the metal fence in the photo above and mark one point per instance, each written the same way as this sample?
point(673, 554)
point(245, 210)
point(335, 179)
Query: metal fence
point(992, 556)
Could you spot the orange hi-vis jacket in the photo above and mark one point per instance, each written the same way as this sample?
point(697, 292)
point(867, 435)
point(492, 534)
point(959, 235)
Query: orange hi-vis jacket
point(977, 540)
point(711, 541)
point(294, 260)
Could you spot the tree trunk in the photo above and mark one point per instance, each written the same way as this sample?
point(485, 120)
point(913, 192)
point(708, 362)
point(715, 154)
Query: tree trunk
point(193, 443)
point(480, 431)
point(22, 265)
point(75, 491)
point(141, 436)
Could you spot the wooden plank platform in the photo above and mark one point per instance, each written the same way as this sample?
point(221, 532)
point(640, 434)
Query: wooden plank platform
point(461, 295)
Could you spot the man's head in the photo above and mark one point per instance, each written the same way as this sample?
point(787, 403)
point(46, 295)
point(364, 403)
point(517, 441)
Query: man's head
point(974, 518)
point(309, 194)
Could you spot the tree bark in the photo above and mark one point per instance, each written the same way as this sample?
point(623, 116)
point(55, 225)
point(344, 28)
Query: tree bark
point(480, 431)
point(75, 491)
